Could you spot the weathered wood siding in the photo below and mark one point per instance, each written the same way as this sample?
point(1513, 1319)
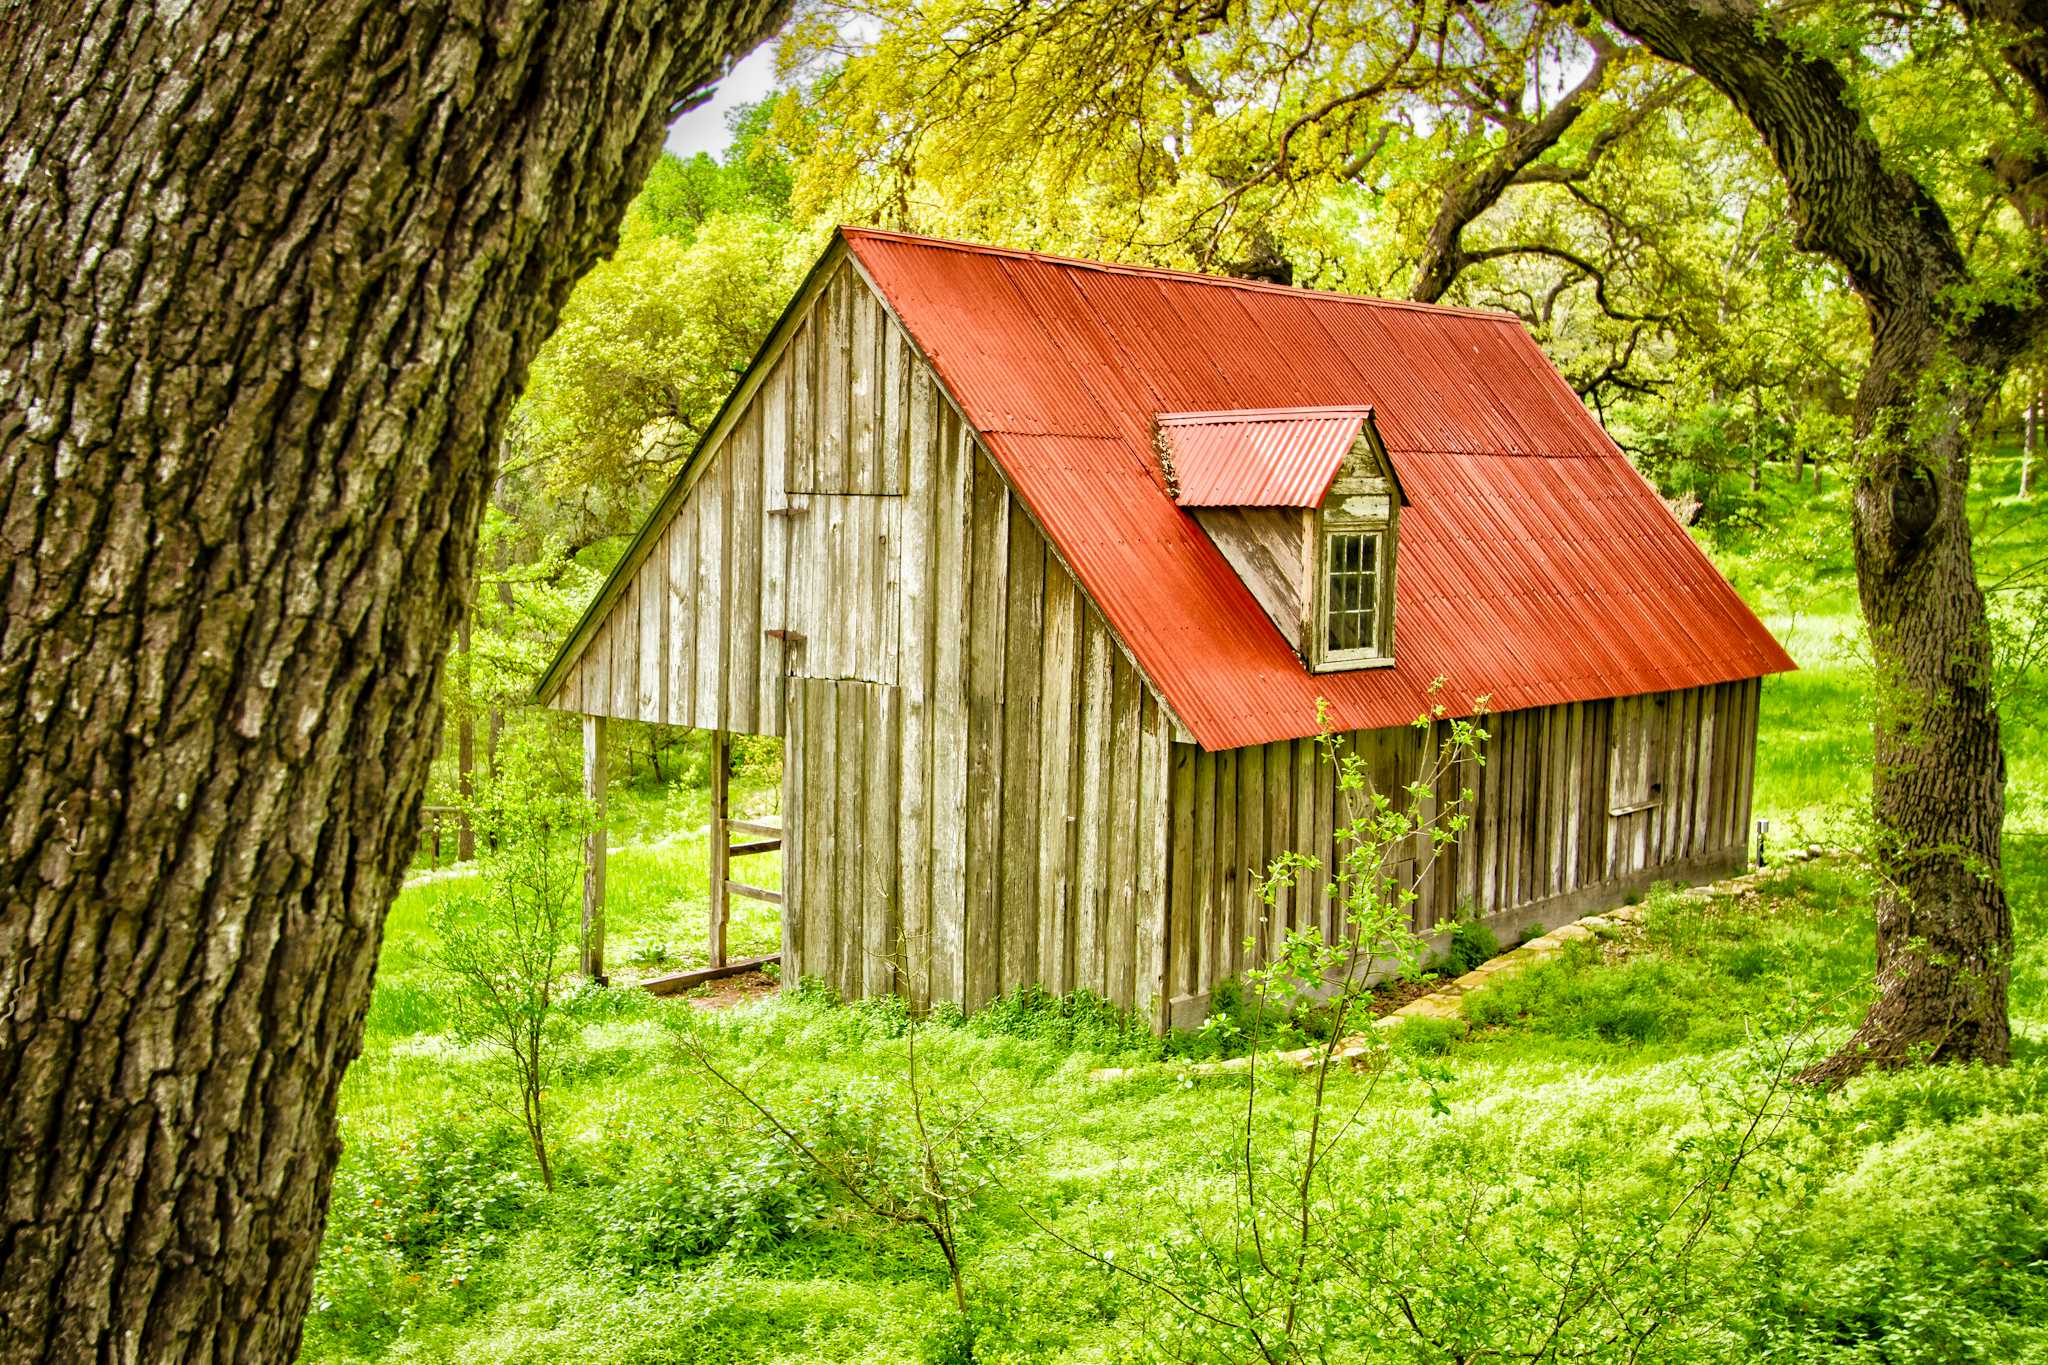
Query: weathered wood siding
point(997, 816)
point(1546, 841)
point(1273, 550)
point(785, 553)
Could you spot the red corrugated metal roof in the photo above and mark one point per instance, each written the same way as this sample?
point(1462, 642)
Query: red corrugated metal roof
point(1536, 565)
point(1276, 457)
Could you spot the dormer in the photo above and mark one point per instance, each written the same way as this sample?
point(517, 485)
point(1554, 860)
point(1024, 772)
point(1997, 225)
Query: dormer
point(1306, 507)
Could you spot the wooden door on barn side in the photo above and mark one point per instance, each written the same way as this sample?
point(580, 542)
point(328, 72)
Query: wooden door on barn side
point(842, 920)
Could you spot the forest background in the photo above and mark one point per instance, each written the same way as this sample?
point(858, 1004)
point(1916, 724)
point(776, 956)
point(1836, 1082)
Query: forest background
point(1623, 210)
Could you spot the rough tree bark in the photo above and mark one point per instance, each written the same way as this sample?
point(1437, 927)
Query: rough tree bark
point(1944, 928)
point(273, 274)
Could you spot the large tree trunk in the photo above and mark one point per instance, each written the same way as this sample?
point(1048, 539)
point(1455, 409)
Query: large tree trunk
point(1938, 782)
point(1944, 927)
point(273, 273)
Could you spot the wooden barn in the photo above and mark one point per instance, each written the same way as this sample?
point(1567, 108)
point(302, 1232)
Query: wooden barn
point(1039, 568)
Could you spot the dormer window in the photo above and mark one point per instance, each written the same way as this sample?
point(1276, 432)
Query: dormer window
point(1351, 594)
point(1355, 603)
point(1305, 506)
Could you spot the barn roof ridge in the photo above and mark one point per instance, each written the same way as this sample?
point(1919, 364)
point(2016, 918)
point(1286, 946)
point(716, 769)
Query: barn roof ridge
point(1494, 315)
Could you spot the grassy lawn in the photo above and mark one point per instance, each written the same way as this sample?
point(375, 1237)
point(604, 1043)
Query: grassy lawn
point(1904, 1219)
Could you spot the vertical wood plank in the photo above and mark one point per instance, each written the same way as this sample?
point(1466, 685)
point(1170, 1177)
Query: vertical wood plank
point(795, 793)
point(713, 504)
point(1308, 896)
point(1526, 829)
point(1059, 701)
point(803, 396)
point(1575, 795)
point(650, 607)
point(849, 881)
point(1703, 772)
point(1120, 968)
point(622, 632)
point(1603, 752)
point(825, 917)
point(1745, 802)
point(1330, 913)
point(838, 427)
point(1251, 849)
point(986, 623)
point(1278, 829)
point(775, 521)
point(684, 625)
point(864, 388)
point(826, 635)
point(1230, 921)
point(904, 369)
point(595, 846)
point(1204, 910)
point(1183, 929)
point(947, 780)
point(1155, 808)
point(916, 674)
point(741, 621)
point(1544, 797)
point(1514, 786)
point(889, 660)
point(879, 899)
point(1023, 669)
point(1091, 901)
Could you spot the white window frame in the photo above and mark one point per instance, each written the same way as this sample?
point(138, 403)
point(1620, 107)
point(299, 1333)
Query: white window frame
point(1380, 653)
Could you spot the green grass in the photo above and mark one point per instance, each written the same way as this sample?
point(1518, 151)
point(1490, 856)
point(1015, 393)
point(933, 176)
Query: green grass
point(1906, 1220)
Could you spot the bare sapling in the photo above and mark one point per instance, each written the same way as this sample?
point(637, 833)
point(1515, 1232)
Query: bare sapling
point(505, 942)
point(922, 1174)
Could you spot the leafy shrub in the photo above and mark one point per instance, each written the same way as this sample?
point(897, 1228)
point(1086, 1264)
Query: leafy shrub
point(1472, 944)
point(1426, 1037)
point(689, 1198)
point(1081, 1022)
point(1573, 996)
point(1240, 1020)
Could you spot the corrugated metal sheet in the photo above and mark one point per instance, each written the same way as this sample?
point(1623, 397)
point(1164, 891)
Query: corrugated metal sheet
point(1536, 566)
point(1278, 457)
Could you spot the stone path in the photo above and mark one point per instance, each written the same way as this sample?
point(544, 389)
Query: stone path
point(1445, 1002)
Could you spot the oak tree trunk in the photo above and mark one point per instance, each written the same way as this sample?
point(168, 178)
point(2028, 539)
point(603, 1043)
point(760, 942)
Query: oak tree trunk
point(1944, 927)
point(273, 273)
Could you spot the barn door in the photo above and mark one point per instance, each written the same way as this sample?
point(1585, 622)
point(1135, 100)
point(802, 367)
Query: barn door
point(841, 917)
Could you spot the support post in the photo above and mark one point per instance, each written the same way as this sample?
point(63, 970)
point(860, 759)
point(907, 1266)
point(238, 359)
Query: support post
point(721, 847)
point(594, 849)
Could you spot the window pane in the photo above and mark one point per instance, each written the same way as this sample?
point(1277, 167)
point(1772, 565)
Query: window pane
point(1351, 594)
